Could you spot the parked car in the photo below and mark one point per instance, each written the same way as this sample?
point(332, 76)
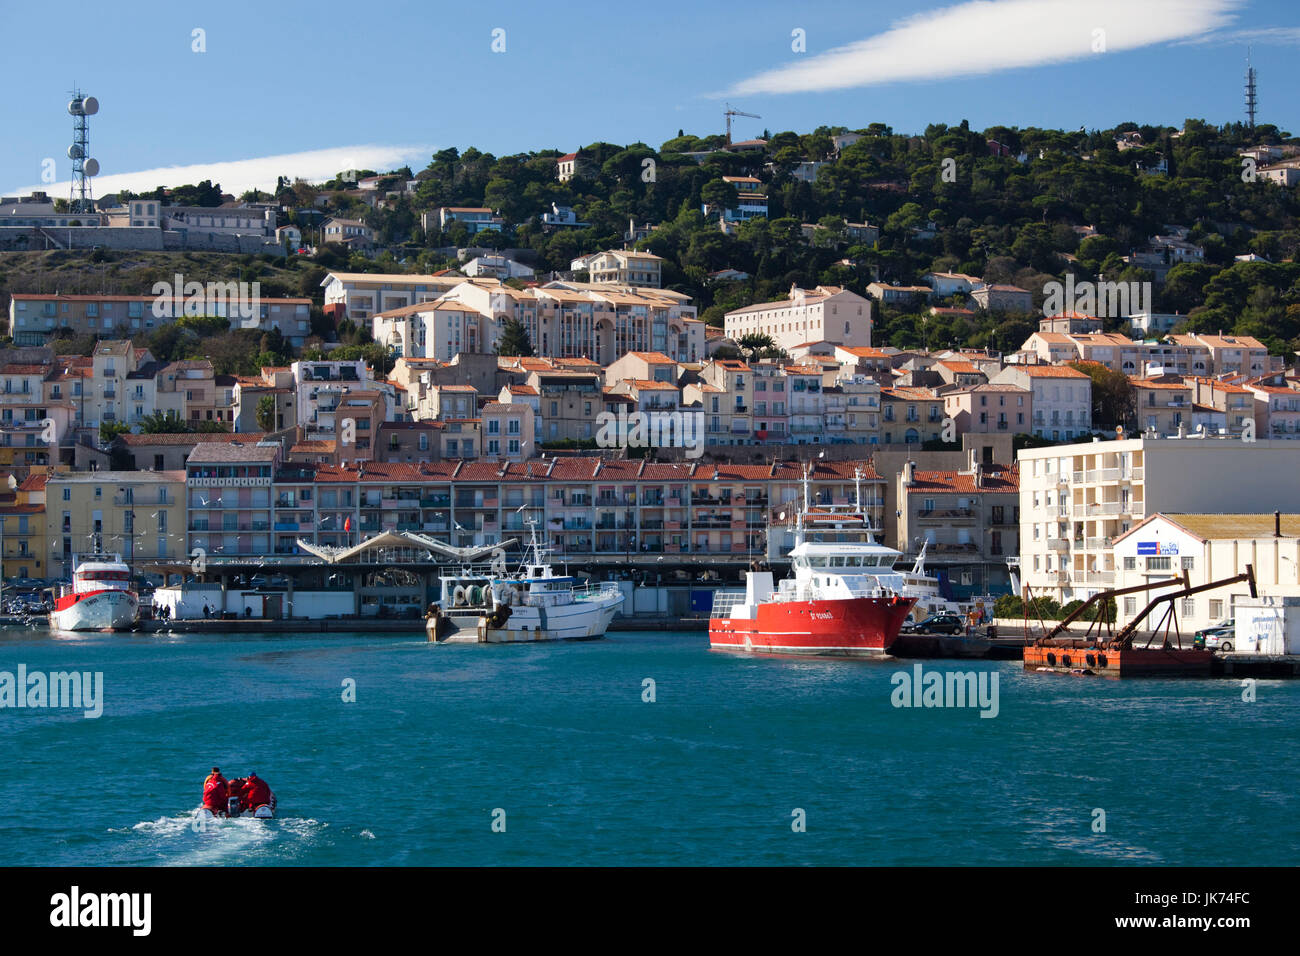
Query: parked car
point(1214, 635)
point(936, 624)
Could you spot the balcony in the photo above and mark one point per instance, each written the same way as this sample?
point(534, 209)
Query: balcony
point(1104, 508)
point(1100, 577)
point(1058, 544)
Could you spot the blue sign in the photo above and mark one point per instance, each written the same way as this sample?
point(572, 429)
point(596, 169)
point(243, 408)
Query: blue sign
point(1157, 547)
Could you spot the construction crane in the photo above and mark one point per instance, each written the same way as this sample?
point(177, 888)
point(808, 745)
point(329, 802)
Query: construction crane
point(731, 111)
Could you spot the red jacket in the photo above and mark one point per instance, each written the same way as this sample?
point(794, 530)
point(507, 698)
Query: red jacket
point(214, 792)
point(256, 793)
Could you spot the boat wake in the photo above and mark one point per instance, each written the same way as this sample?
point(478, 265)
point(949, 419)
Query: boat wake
point(187, 840)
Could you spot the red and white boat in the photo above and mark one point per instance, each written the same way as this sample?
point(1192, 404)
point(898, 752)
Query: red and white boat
point(838, 602)
point(100, 598)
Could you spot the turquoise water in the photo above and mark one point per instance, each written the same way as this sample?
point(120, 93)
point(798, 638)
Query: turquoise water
point(559, 738)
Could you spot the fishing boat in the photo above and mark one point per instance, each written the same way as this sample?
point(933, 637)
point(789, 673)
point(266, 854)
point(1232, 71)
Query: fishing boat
point(490, 606)
point(100, 597)
point(838, 602)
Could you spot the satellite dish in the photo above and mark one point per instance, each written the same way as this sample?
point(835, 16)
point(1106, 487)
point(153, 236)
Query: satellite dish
point(90, 106)
point(781, 516)
point(74, 151)
point(91, 167)
point(75, 107)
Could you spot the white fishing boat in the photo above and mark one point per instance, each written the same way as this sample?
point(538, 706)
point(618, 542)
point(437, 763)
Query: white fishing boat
point(100, 597)
point(489, 606)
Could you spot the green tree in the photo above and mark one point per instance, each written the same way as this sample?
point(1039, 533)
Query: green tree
point(266, 413)
point(160, 423)
point(514, 339)
point(108, 431)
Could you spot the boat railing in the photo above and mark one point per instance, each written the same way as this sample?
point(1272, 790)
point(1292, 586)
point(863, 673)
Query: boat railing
point(725, 601)
point(594, 592)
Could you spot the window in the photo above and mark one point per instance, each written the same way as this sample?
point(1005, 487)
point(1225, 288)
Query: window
point(1187, 607)
point(1130, 563)
point(1130, 606)
point(1216, 609)
point(1158, 564)
point(1189, 562)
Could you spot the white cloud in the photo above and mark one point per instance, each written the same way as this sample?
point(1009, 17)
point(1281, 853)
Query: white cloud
point(240, 175)
point(1283, 35)
point(986, 36)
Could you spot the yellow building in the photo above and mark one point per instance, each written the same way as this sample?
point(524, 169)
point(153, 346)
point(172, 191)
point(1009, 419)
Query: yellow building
point(137, 514)
point(22, 530)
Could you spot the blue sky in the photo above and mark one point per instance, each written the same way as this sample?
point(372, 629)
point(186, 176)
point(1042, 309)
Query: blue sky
point(310, 88)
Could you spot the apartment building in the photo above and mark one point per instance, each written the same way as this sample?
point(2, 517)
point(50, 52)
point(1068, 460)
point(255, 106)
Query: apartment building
point(910, 416)
point(24, 552)
point(407, 441)
point(1277, 407)
point(228, 493)
point(1231, 354)
point(32, 422)
point(824, 314)
point(138, 514)
point(359, 295)
point(986, 409)
point(627, 267)
point(1075, 500)
point(562, 320)
point(1163, 405)
point(509, 430)
point(967, 519)
point(35, 318)
point(1061, 398)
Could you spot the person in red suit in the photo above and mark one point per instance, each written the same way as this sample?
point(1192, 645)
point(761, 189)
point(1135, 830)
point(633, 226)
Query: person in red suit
point(256, 792)
point(215, 792)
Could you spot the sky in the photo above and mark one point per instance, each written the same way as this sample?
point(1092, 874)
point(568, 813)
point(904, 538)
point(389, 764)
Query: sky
point(241, 92)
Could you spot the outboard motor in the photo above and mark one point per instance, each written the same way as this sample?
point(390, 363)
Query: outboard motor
point(232, 806)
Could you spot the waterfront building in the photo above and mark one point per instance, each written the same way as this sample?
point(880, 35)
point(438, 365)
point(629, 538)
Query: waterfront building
point(1207, 547)
point(228, 493)
point(1075, 500)
point(138, 514)
point(967, 519)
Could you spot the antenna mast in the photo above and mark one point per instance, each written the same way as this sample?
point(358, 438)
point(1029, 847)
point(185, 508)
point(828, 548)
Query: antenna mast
point(1250, 91)
point(83, 166)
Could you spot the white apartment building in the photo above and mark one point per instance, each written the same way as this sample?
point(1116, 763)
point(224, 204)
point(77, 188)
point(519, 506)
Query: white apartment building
point(1076, 500)
point(1209, 547)
point(359, 295)
point(627, 267)
point(824, 314)
point(563, 320)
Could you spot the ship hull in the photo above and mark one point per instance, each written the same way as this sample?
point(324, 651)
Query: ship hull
point(855, 627)
point(580, 621)
point(107, 610)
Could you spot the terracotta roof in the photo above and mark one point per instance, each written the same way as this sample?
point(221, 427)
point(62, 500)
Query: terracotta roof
point(1003, 481)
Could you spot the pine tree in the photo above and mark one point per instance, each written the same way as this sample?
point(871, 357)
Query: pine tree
point(514, 339)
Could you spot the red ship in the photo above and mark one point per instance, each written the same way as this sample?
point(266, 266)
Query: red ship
point(838, 602)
